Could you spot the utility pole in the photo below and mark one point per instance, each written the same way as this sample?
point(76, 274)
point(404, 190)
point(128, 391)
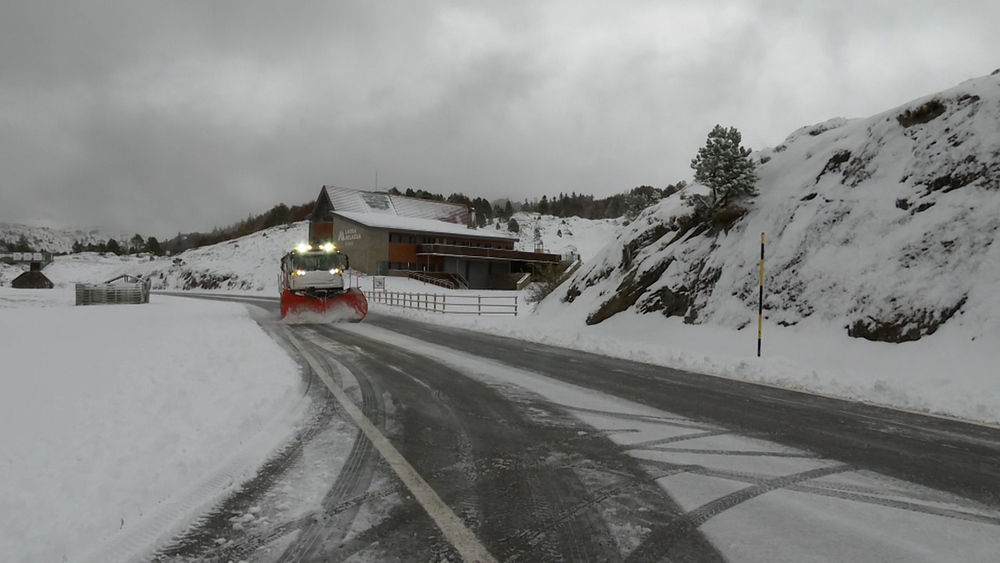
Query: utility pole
point(760, 302)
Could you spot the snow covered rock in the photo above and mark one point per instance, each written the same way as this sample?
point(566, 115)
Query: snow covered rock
point(884, 226)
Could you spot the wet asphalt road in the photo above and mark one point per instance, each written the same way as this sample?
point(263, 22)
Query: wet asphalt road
point(943, 454)
point(535, 484)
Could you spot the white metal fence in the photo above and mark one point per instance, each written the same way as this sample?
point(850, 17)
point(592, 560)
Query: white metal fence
point(447, 303)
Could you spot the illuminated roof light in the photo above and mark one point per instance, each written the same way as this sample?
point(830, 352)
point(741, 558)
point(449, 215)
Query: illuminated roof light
point(328, 247)
point(303, 247)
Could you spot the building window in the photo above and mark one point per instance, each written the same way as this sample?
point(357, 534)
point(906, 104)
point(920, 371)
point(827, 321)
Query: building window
point(394, 238)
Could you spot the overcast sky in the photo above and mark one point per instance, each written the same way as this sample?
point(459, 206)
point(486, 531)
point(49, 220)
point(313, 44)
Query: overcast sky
point(159, 117)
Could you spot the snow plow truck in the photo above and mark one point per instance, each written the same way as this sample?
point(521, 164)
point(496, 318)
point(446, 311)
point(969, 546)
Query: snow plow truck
point(312, 286)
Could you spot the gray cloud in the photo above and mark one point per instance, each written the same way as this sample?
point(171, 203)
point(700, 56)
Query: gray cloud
point(176, 116)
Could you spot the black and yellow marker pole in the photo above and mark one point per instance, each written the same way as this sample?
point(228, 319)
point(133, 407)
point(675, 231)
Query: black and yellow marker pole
point(760, 303)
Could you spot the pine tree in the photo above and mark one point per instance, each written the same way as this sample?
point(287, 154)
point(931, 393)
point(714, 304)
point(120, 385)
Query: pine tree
point(725, 167)
point(137, 244)
point(153, 246)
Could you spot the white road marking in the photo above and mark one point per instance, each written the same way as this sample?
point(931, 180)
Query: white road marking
point(464, 541)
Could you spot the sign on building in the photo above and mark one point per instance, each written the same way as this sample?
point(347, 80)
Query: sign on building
point(348, 236)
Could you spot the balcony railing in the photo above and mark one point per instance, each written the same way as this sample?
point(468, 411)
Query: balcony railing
point(485, 253)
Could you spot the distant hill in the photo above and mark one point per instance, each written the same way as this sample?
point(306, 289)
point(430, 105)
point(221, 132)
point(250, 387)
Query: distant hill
point(57, 241)
point(562, 235)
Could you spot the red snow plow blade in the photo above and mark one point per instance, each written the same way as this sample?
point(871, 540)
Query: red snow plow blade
point(316, 308)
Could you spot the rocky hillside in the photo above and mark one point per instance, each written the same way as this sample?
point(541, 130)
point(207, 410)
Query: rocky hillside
point(884, 226)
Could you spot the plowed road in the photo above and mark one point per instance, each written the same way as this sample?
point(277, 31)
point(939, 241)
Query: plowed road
point(427, 443)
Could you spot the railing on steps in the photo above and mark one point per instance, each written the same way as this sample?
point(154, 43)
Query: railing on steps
point(440, 282)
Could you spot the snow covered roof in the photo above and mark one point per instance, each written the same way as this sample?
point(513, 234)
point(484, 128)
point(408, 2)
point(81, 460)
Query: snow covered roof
point(386, 221)
point(428, 209)
point(356, 201)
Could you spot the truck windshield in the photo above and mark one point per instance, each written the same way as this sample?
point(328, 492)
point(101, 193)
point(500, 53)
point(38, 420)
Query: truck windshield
point(317, 261)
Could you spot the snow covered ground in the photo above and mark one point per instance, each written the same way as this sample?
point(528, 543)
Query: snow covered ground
point(117, 423)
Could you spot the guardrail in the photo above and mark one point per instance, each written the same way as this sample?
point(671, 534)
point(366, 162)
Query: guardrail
point(448, 304)
point(113, 293)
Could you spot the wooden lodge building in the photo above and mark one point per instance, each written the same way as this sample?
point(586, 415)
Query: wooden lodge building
point(385, 234)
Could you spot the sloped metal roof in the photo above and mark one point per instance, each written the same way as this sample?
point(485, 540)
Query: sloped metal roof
point(349, 200)
point(432, 226)
point(428, 209)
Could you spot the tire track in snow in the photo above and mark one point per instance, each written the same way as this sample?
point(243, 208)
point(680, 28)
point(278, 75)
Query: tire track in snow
point(855, 493)
point(353, 480)
point(659, 543)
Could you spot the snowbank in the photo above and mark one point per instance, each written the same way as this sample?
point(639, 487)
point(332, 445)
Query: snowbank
point(110, 416)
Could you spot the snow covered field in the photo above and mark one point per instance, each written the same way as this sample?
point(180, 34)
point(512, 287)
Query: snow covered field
point(119, 422)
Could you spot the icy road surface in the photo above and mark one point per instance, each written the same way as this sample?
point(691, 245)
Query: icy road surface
point(545, 454)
